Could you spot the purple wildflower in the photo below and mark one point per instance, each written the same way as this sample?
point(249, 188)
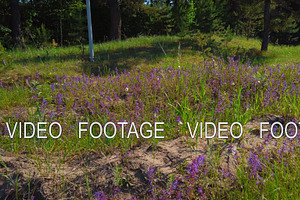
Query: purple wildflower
point(255, 166)
point(52, 87)
point(151, 175)
point(100, 196)
point(194, 167)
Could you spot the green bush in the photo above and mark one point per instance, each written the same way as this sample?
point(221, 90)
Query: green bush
point(5, 36)
point(2, 54)
point(5, 58)
point(2, 50)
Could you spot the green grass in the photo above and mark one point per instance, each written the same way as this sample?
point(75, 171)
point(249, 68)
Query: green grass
point(49, 61)
point(168, 78)
point(276, 54)
point(138, 55)
point(143, 53)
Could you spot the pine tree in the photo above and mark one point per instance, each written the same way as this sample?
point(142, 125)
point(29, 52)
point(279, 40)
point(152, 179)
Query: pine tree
point(206, 15)
point(179, 15)
point(191, 15)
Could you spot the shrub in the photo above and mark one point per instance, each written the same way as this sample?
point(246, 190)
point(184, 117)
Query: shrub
point(2, 52)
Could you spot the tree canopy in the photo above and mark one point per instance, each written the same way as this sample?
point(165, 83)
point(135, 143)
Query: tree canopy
point(38, 22)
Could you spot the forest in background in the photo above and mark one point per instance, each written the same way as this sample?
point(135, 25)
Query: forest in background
point(63, 23)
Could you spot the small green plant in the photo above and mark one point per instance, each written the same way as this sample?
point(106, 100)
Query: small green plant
point(118, 176)
point(2, 51)
point(5, 59)
point(43, 36)
point(87, 185)
point(227, 37)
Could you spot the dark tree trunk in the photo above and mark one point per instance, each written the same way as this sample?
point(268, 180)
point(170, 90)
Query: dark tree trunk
point(115, 20)
point(265, 42)
point(15, 22)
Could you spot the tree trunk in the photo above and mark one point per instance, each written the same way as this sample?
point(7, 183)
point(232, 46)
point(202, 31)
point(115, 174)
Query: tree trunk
point(115, 19)
point(15, 22)
point(265, 42)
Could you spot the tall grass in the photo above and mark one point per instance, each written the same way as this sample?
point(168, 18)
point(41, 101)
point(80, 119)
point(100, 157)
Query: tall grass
point(179, 83)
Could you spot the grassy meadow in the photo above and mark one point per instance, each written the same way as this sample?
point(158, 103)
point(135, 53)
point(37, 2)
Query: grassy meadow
point(170, 79)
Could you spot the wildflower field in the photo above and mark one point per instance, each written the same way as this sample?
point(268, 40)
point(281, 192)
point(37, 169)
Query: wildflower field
point(175, 83)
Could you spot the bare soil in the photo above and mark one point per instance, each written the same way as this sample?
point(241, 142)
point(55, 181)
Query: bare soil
point(24, 177)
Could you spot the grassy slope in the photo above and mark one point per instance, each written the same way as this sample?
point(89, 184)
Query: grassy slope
point(276, 55)
point(137, 54)
point(145, 53)
point(142, 52)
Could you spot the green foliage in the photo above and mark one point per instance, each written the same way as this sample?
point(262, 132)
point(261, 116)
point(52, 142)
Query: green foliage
point(2, 54)
point(78, 24)
point(180, 16)
point(284, 30)
point(133, 12)
point(191, 15)
point(207, 17)
point(159, 20)
point(250, 18)
point(5, 58)
point(47, 20)
point(205, 43)
point(5, 37)
point(285, 22)
point(65, 21)
point(227, 37)
point(43, 36)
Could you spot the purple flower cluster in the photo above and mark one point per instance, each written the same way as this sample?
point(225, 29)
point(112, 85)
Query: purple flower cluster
point(100, 196)
point(211, 91)
point(150, 174)
point(214, 90)
point(255, 166)
point(193, 168)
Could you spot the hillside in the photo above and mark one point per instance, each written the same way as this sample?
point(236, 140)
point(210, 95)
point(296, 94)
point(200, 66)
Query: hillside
point(173, 83)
